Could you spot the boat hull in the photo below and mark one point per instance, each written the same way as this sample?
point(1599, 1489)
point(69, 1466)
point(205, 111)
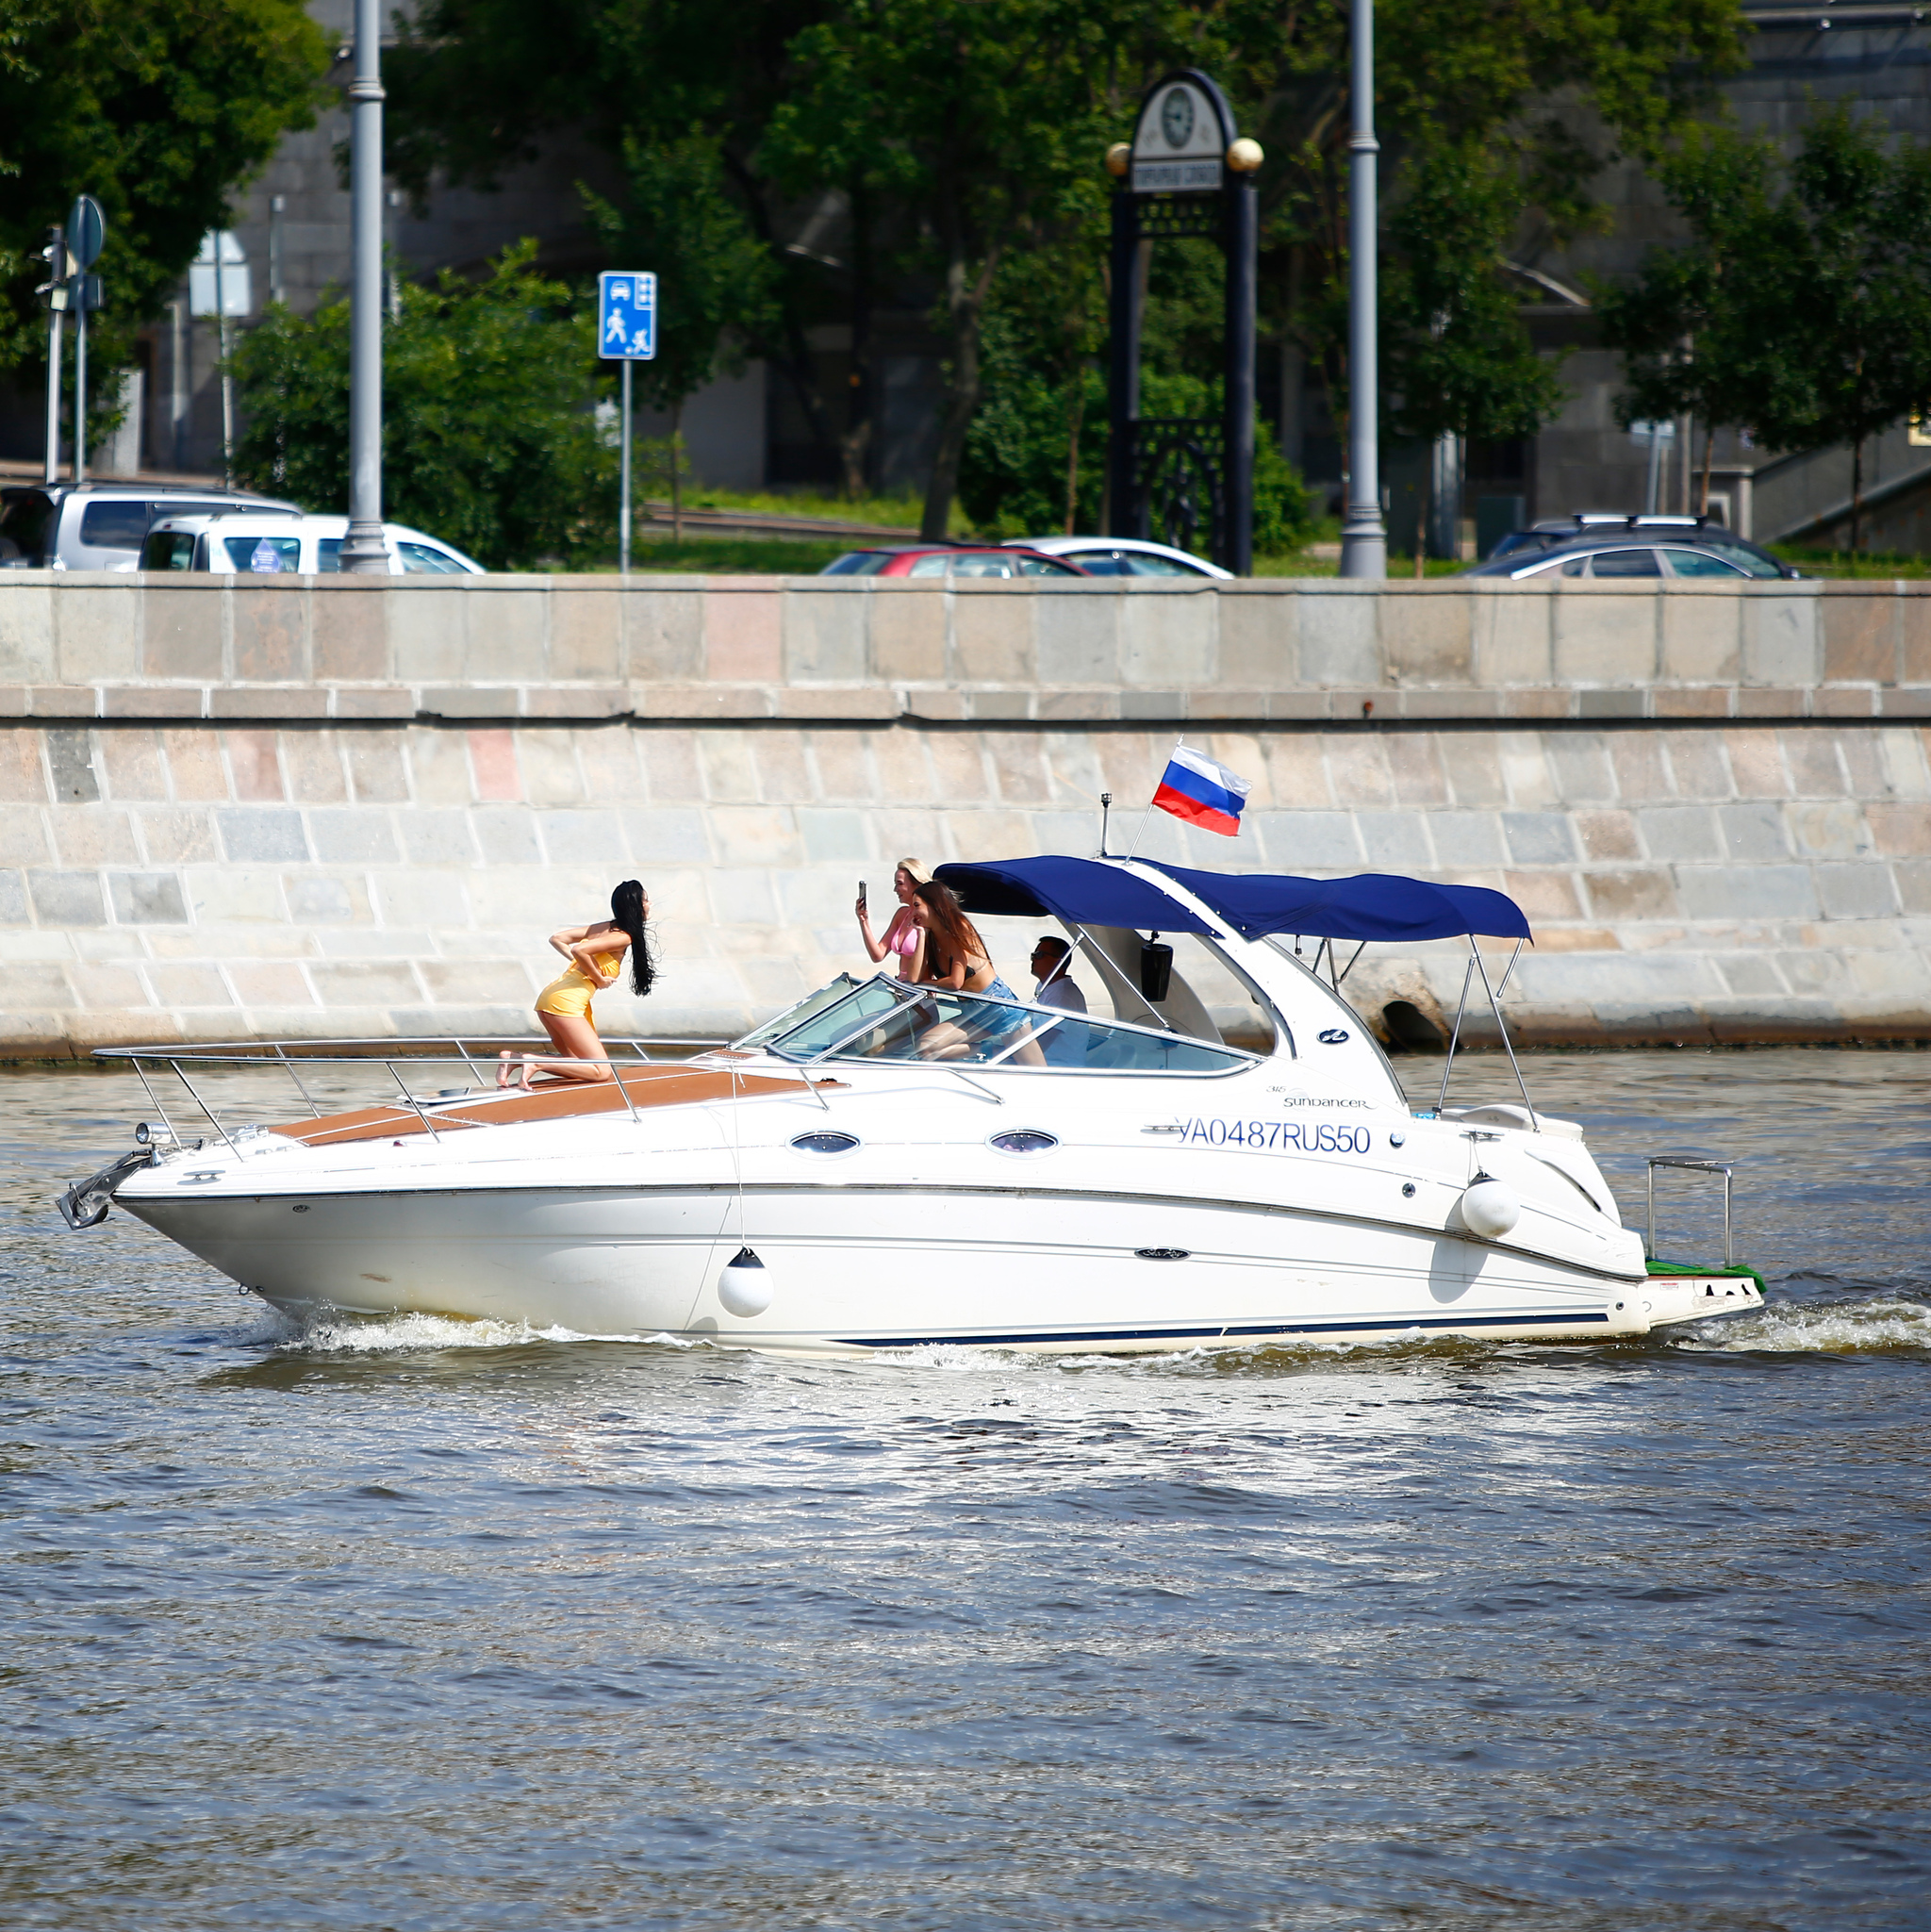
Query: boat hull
point(856, 1270)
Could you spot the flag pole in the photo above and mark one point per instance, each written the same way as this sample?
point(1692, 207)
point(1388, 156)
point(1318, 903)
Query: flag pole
point(1148, 812)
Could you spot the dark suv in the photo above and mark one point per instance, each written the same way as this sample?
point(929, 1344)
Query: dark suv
point(1703, 532)
point(101, 526)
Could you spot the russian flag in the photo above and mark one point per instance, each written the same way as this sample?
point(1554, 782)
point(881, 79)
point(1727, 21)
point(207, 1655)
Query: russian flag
point(1201, 792)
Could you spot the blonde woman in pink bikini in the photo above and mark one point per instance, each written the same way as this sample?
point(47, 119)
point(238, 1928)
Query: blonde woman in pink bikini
point(904, 940)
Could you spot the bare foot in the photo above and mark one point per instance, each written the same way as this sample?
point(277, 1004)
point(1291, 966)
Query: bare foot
point(503, 1067)
point(529, 1066)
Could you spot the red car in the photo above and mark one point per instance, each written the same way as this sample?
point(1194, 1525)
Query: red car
point(950, 560)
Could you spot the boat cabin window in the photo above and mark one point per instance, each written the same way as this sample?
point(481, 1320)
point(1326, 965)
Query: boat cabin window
point(884, 1019)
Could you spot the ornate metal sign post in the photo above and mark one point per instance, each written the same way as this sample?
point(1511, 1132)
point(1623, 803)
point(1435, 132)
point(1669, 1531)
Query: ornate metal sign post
point(1184, 480)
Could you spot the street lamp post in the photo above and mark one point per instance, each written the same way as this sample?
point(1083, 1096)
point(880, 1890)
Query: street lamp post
point(1363, 538)
point(362, 549)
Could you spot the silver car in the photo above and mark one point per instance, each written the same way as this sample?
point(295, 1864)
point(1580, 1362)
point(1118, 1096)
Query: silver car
point(101, 526)
point(1122, 556)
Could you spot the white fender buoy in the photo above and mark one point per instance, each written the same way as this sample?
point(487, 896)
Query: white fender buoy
point(743, 1286)
point(1490, 1208)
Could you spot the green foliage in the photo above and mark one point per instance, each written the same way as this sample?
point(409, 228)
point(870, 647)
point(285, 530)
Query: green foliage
point(1456, 357)
point(489, 439)
point(159, 109)
point(1801, 308)
point(714, 277)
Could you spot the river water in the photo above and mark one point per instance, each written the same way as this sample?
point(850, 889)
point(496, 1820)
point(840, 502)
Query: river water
point(421, 1625)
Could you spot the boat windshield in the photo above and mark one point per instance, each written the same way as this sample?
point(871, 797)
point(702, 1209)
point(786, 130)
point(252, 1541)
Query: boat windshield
point(885, 1020)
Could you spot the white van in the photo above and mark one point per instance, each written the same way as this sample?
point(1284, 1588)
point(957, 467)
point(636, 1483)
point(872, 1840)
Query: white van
point(233, 545)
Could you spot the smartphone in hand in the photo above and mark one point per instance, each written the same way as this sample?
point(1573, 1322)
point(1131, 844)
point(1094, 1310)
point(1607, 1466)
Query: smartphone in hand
point(861, 895)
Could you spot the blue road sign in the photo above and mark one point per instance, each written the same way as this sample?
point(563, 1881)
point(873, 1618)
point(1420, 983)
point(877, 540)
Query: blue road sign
point(626, 315)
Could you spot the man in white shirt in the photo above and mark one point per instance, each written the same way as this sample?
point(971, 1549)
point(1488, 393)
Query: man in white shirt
point(1049, 962)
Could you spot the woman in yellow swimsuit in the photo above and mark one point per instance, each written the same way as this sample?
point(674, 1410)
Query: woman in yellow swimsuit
point(596, 958)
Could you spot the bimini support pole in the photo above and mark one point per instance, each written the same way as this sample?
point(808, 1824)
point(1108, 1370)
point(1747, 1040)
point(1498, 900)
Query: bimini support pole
point(1454, 1036)
point(1502, 1027)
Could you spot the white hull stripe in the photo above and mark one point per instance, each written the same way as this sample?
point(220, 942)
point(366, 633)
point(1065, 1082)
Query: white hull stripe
point(1222, 1334)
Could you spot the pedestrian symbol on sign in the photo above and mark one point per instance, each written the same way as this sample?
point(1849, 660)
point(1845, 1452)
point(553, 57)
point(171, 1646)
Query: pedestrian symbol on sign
point(626, 315)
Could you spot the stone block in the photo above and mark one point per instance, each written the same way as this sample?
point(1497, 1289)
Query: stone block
point(1464, 839)
point(1338, 641)
point(1900, 830)
point(825, 636)
point(429, 638)
point(1427, 636)
point(1861, 625)
point(24, 837)
point(1831, 831)
point(181, 631)
point(353, 837)
point(312, 767)
point(1612, 703)
point(97, 632)
point(188, 985)
point(255, 766)
point(493, 763)
point(410, 898)
point(476, 982)
point(1525, 770)
point(597, 701)
point(1757, 764)
point(1633, 894)
point(1544, 895)
point(1393, 841)
point(1514, 632)
point(743, 636)
point(177, 835)
point(586, 636)
point(1474, 767)
point(1358, 771)
point(269, 633)
point(907, 629)
point(1857, 891)
point(394, 702)
point(1579, 763)
point(71, 763)
point(1693, 700)
point(1308, 841)
point(364, 982)
point(257, 835)
point(1415, 768)
point(435, 836)
point(508, 836)
point(663, 632)
point(959, 766)
point(268, 984)
point(67, 899)
point(1755, 701)
point(745, 897)
point(1750, 975)
point(1259, 638)
point(27, 634)
point(1538, 838)
point(321, 901)
point(1913, 881)
point(1697, 765)
point(1077, 639)
point(471, 701)
point(147, 898)
point(1781, 644)
point(1680, 831)
point(1754, 831)
point(94, 835)
point(130, 762)
point(667, 834)
point(508, 628)
point(756, 835)
point(992, 631)
point(1607, 834)
point(1702, 636)
point(1606, 636)
point(581, 839)
point(1019, 767)
point(349, 632)
point(1748, 892)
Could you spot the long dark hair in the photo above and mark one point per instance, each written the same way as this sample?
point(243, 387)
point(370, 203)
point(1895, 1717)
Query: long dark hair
point(951, 935)
point(627, 909)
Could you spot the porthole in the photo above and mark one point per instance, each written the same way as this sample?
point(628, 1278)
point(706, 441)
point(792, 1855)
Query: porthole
point(1408, 1190)
point(826, 1141)
point(1024, 1140)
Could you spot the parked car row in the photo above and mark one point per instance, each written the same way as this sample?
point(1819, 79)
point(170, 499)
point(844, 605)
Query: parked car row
point(92, 526)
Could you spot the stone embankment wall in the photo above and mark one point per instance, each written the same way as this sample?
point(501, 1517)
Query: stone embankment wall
point(338, 808)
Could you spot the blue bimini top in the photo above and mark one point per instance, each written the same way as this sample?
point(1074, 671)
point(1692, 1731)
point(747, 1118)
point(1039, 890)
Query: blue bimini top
point(1372, 906)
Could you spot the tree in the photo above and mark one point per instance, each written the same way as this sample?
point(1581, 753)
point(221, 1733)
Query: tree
point(985, 120)
point(159, 109)
point(1455, 356)
point(1684, 326)
point(1804, 306)
point(715, 282)
point(489, 435)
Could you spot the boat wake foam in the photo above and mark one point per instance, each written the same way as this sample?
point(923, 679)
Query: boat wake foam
point(1876, 1324)
point(418, 1333)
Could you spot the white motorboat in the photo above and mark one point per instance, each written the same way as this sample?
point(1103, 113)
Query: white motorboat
point(887, 1168)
